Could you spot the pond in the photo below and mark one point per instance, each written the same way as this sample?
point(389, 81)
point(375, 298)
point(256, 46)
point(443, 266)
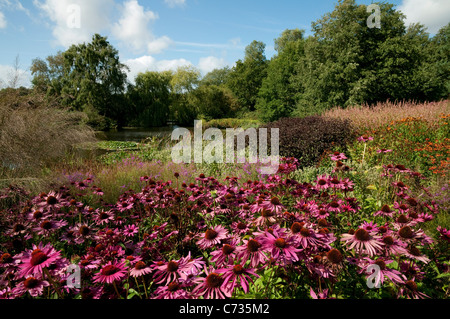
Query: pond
point(135, 134)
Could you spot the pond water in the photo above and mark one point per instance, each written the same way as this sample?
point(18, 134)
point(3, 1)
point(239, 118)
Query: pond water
point(135, 134)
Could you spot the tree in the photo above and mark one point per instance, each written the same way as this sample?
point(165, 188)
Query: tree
point(349, 63)
point(246, 77)
point(438, 66)
point(278, 94)
point(183, 109)
point(217, 77)
point(94, 80)
point(48, 74)
point(214, 102)
point(149, 99)
point(185, 79)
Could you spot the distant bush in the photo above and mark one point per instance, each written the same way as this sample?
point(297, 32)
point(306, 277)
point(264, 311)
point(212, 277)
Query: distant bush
point(33, 133)
point(309, 138)
point(231, 123)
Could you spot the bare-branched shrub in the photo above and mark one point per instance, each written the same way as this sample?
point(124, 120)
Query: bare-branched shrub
point(33, 133)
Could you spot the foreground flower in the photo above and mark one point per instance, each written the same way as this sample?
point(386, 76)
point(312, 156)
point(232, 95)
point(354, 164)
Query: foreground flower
point(410, 290)
point(236, 275)
point(170, 271)
point(32, 285)
point(363, 241)
point(212, 237)
point(38, 259)
point(444, 233)
point(281, 248)
point(140, 269)
point(273, 205)
point(113, 271)
point(251, 249)
point(384, 272)
point(131, 230)
point(174, 290)
point(211, 287)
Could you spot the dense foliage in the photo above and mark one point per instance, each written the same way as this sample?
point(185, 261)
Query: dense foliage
point(310, 138)
point(343, 63)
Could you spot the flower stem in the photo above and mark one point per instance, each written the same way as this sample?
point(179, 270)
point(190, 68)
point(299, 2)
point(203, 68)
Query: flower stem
point(145, 288)
point(55, 286)
point(115, 288)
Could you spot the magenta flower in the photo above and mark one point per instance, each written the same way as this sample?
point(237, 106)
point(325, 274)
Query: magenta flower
point(281, 248)
point(140, 269)
point(174, 290)
point(211, 286)
point(39, 258)
point(273, 205)
point(320, 295)
point(410, 290)
point(47, 227)
point(384, 211)
point(212, 237)
point(111, 272)
point(384, 151)
point(51, 200)
point(322, 182)
point(34, 286)
point(363, 242)
point(384, 272)
point(236, 275)
point(130, 230)
point(336, 156)
point(445, 233)
point(365, 138)
point(306, 237)
point(252, 250)
point(226, 255)
point(102, 217)
point(169, 271)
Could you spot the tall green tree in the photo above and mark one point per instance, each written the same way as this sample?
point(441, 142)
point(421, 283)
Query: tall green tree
point(184, 81)
point(94, 79)
point(278, 94)
point(347, 62)
point(438, 66)
point(149, 99)
point(217, 77)
point(214, 102)
point(247, 76)
point(47, 74)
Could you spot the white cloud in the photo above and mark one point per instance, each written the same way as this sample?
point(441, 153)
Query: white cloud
point(175, 3)
point(210, 63)
point(432, 13)
point(133, 29)
point(7, 73)
point(158, 45)
point(3, 22)
point(93, 17)
point(149, 63)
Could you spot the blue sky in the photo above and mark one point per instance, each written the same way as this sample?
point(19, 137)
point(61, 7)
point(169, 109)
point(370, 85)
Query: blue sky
point(164, 34)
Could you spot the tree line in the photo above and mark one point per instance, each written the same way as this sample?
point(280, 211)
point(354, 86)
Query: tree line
point(343, 63)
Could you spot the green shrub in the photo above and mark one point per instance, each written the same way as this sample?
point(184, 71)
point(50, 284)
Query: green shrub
point(231, 123)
